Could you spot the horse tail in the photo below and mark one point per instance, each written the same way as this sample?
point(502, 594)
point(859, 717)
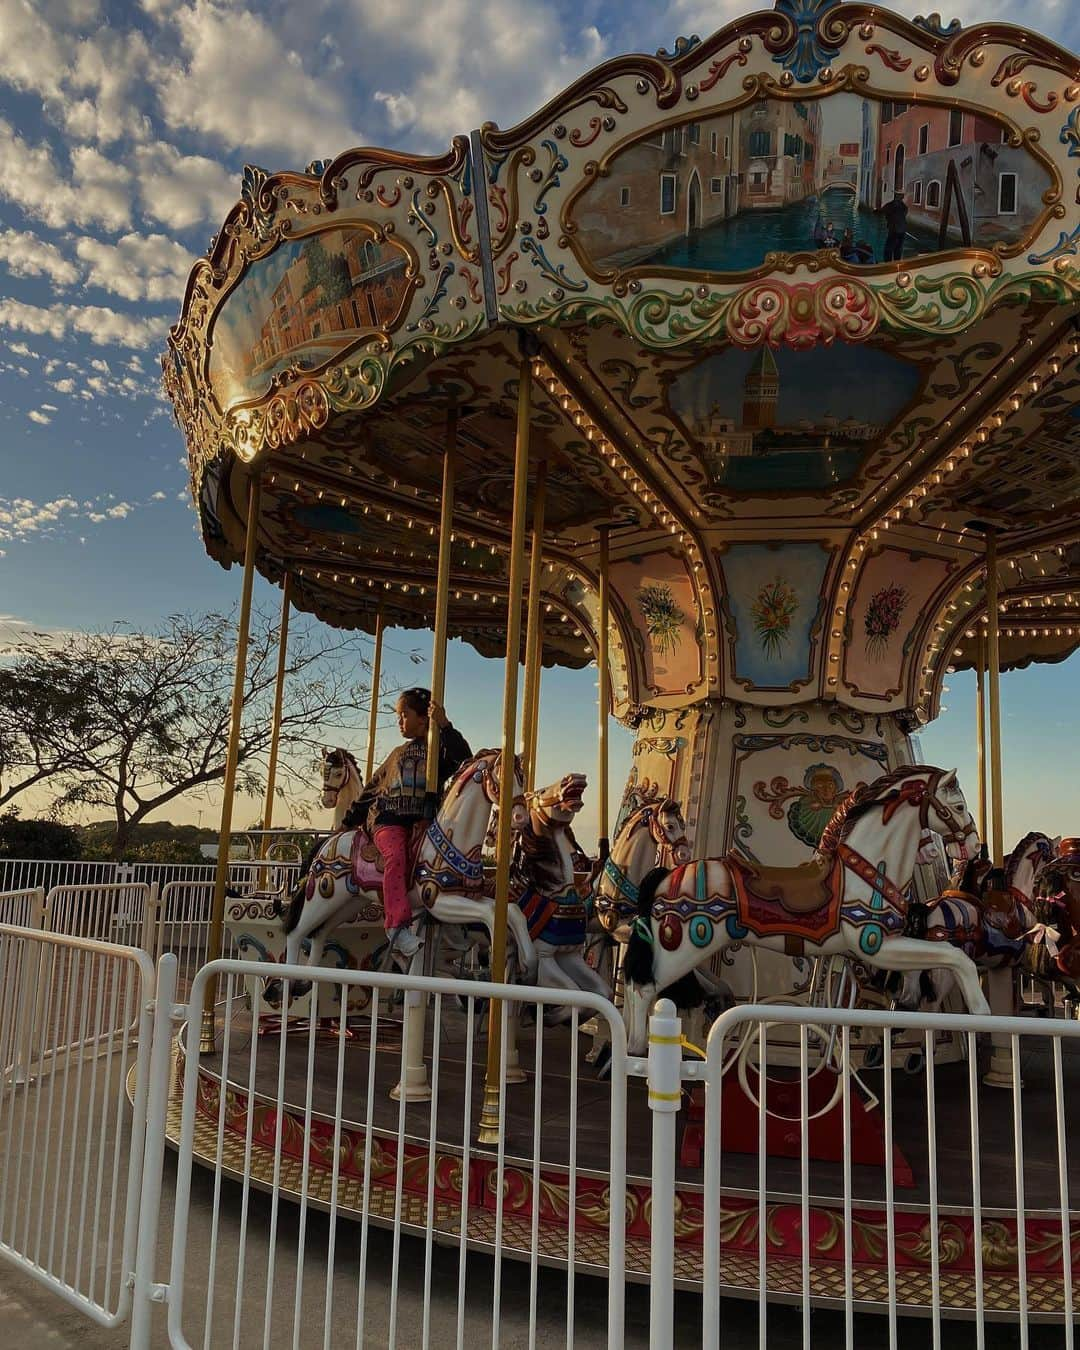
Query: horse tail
point(638, 963)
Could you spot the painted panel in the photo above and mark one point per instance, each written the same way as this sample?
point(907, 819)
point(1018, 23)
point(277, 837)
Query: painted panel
point(886, 610)
point(772, 601)
point(764, 421)
point(659, 596)
point(877, 180)
point(784, 788)
point(303, 304)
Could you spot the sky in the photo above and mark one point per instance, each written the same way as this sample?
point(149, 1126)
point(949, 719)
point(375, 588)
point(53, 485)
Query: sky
point(123, 131)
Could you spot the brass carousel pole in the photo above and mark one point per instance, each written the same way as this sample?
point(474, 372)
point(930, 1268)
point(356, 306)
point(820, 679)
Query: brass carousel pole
point(228, 787)
point(534, 642)
point(603, 696)
point(1000, 986)
point(442, 595)
point(489, 1116)
point(993, 682)
point(373, 711)
point(414, 1085)
point(279, 698)
point(980, 727)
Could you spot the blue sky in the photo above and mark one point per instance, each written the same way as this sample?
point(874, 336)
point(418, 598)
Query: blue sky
point(123, 130)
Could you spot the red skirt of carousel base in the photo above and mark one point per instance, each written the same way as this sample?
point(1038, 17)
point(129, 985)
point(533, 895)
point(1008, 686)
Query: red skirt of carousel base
point(783, 1128)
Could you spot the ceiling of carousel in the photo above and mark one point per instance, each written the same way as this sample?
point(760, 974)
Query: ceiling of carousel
point(739, 410)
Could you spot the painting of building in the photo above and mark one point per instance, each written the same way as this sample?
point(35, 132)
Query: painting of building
point(956, 171)
point(302, 304)
point(763, 420)
point(793, 175)
point(664, 187)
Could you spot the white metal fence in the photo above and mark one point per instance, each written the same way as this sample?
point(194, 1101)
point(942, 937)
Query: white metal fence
point(71, 1147)
point(332, 1188)
point(244, 874)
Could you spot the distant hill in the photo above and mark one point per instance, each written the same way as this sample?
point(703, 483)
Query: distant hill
point(154, 841)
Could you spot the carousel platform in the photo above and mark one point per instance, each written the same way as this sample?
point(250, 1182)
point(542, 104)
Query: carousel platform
point(466, 1176)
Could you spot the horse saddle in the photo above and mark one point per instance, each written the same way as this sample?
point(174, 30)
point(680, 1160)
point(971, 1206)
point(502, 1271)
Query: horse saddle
point(799, 890)
point(367, 864)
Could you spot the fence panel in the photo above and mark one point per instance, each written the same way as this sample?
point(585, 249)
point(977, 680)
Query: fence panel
point(21, 909)
point(245, 874)
point(106, 913)
point(307, 1115)
point(948, 1193)
point(71, 1161)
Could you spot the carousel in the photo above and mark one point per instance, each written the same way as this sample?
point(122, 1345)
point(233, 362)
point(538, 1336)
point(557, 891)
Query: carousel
point(748, 372)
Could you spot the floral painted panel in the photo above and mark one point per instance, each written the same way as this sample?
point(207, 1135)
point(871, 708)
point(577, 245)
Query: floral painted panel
point(657, 593)
point(772, 599)
point(891, 594)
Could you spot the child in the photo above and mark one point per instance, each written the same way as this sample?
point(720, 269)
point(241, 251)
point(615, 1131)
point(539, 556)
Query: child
point(396, 797)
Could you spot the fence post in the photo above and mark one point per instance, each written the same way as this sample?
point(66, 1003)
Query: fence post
point(153, 927)
point(665, 1098)
point(146, 1291)
point(31, 992)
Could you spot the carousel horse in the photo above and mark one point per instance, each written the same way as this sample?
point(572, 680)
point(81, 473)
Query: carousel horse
point(850, 900)
point(652, 836)
point(448, 875)
point(341, 783)
point(543, 888)
point(1057, 899)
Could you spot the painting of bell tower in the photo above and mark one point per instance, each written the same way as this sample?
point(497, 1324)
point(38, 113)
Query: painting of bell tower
point(761, 393)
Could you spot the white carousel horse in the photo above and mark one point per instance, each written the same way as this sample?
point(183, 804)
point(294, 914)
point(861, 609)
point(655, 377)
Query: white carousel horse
point(341, 783)
point(653, 835)
point(448, 876)
point(542, 880)
point(850, 900)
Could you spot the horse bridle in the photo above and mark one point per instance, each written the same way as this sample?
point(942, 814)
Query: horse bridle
point(346, 761)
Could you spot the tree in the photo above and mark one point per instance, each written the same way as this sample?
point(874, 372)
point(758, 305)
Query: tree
point(36, 838)
point(132, 721)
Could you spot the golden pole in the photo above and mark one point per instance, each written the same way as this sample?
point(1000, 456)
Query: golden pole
point(489, 1116)
point(993, 673)
point(980, 725)
point(228, 787)
point(530, 701)
point(442, 596)
point(603, 695)
point(376, 676)
point(279, 698)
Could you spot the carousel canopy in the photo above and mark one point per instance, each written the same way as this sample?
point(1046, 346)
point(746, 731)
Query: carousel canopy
point(799, 302)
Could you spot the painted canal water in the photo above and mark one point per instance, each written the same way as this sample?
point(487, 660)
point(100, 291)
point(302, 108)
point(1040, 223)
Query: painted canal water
point(742, 242)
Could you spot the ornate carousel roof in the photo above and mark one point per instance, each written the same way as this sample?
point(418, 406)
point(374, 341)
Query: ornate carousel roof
point(798, 444)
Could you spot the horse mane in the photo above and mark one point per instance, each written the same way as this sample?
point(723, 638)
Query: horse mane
point(1016, 856)
point(854, 805)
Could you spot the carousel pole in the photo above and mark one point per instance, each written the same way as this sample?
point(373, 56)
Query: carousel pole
point(228, 787)
point(530, 710)
point(489, 1116)
point(993, 652)
point(442, 595)
point(603, 697)
point(1000, 989)
point(980, 727)
point(414, 1085)
point(279, 699)
point(373, 712)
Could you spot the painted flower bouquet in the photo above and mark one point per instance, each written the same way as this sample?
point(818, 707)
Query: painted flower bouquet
point(773, 611)
point(883, 615)
point(663, 617)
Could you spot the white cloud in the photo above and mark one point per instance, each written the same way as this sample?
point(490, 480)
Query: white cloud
point(20, 349)
point(241, 85)
point(26, 255)
point(97, 191)
point(49, 407)
point(457, 82)
point(65, 386)
point(136, 267)
point(182, 190)
point(103, 326)
point(42, 418)
point(158, 496)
